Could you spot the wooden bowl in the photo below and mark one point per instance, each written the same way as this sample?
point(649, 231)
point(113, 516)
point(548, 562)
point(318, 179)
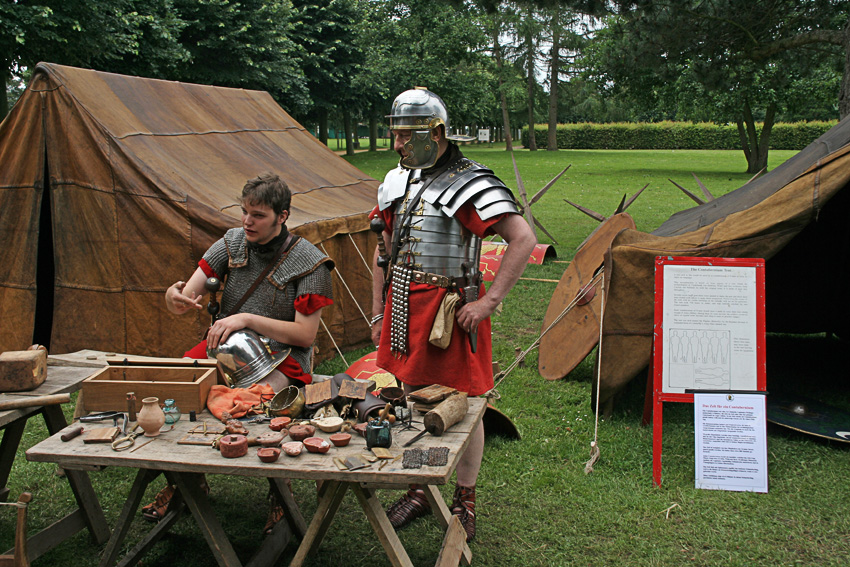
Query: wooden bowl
point(268, 454)
point(340, 439)
point(317, 445)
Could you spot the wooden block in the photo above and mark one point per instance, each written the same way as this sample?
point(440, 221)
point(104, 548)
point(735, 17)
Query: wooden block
point(431, 394)
point(101, 435)
point(382, 453)
point(318, 392)
point(22, 370)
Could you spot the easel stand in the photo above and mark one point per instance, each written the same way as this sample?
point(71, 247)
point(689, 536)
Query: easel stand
point(699, 348)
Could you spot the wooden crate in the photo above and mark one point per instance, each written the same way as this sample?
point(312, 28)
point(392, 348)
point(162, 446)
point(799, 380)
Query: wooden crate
point(187, 386)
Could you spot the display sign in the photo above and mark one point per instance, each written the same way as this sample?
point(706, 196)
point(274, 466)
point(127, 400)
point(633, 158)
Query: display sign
point(709, 332)
point(730, 437)
point(484, 135)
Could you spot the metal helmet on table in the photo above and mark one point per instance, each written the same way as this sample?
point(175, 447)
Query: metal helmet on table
point(420, 111)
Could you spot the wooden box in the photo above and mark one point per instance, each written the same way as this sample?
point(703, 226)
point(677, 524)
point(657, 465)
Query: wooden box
point(188, 386)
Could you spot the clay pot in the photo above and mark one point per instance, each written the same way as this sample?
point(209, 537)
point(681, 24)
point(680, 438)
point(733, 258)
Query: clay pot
point(301, 432)
point(340, 439)
point(329, 424)
point(293, 448)
point(393, 395)
point(268, 454)
point(151, 417)
point(361, 429)
point(233, 446)
point(317, 445)
point(279, 423)
point(271, 438)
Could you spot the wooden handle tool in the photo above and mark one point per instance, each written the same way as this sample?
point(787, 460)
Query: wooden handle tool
point(34, 401)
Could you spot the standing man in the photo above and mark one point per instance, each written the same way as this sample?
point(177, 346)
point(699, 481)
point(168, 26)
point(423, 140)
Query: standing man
point(433, 210)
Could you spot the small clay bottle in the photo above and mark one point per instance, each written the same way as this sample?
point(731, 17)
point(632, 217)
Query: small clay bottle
point(151, 418)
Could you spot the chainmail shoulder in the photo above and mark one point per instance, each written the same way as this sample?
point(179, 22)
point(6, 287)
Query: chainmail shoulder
point(304, 269)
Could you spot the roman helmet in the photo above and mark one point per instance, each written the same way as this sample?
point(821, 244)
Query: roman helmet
point(420, 111)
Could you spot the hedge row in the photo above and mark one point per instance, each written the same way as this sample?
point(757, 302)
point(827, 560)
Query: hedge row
point(672, 136)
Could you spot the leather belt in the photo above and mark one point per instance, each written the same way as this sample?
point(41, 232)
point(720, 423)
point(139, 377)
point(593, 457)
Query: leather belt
point(437, 280)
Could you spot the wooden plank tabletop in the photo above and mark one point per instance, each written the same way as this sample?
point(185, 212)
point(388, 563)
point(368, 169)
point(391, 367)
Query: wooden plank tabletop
point(165, 454)
point(59, 380)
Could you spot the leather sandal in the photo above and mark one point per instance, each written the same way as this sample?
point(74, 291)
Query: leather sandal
point(463, 506)
point(412, 505)
point(276, 510)
point(156, 510)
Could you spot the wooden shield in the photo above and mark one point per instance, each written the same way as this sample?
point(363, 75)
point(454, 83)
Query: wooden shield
point(567, 343)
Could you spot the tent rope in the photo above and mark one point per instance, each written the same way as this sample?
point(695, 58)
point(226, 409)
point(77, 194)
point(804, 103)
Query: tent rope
point(359, 253)
point(336, 346)
point(594, 445)
point(521, 356)
point(348, 289)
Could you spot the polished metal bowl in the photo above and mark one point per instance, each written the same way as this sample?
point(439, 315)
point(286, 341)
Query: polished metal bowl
point(289, 402)
point(245, 359)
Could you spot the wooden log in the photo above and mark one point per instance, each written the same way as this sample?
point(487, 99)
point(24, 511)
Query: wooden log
point(447, 413)
point(22, 370)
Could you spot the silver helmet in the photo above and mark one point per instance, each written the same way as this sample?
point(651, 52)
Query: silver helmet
point(245, 359)
point(420, 111)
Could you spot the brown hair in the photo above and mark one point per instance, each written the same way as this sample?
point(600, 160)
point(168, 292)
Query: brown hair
point(268, 189)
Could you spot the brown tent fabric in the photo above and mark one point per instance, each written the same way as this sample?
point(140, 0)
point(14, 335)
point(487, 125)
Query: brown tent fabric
point(796, 217)
point(134, 178)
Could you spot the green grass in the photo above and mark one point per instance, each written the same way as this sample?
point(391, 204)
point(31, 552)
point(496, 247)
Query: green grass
point(535, 504)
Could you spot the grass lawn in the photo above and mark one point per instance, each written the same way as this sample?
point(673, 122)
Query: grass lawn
point(535, 504)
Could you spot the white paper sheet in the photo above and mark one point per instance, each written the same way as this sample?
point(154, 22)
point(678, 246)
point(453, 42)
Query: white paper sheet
point(731, 442)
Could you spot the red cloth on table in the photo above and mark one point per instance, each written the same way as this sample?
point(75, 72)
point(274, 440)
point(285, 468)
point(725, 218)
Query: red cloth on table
point(238, 402)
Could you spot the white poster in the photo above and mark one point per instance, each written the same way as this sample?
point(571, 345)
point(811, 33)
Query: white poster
point(731, 442)
point(484, 135)
point(709, 338)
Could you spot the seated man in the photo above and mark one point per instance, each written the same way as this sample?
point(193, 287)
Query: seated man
point(285, 306)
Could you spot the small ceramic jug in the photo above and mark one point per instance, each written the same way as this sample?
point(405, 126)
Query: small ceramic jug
point(151, 418)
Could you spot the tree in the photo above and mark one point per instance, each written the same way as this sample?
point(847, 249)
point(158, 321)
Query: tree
point(744, 54)
point(82, 33)
point(243, 44)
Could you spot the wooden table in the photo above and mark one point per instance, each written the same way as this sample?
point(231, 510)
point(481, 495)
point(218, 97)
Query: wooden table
point(182, 465)
point(60, 380)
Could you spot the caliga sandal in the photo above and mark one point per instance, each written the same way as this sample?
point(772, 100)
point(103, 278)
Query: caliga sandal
point(156, 510)
point(414, 504)
point(463, 506)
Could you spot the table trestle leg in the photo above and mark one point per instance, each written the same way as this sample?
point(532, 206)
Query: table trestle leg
point(444, 516)
point(381, 526)
point(281, 490)
point(333, 492)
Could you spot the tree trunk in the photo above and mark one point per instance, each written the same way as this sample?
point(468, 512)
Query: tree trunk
point(323, 125)
point(349, 139)
point(844, 94)
point(497, 51)
point(532, 142)
point(755, 146)
point(555, 55)
point(373, 132)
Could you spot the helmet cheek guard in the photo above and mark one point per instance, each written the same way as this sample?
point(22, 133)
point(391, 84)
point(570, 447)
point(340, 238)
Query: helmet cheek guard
point(420, 150)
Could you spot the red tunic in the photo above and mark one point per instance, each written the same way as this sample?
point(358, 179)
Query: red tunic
point(426, 364)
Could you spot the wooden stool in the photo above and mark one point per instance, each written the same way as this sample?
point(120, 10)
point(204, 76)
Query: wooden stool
point(19, 557)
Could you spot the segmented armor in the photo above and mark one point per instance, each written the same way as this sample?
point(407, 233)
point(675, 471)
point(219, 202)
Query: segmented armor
point(303, 269)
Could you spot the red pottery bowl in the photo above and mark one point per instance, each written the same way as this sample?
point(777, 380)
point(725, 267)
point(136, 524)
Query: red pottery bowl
point(316, 445)
point(340, 439)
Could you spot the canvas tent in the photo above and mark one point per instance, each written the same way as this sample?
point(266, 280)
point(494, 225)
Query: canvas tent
point(797, 217)
point(112, 187)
